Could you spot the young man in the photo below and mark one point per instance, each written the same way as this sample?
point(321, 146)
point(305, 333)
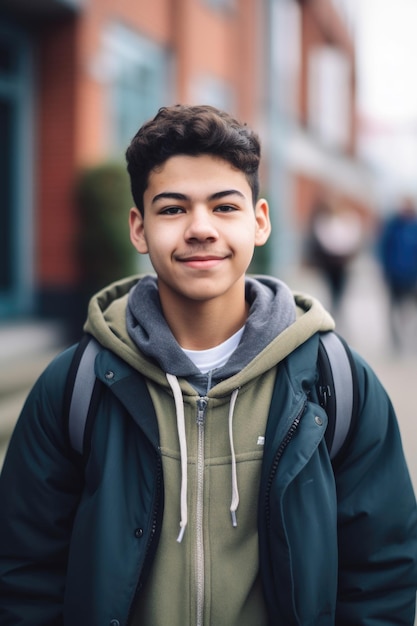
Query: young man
point(196, 504)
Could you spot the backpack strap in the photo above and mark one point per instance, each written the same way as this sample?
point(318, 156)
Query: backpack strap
point(337, 389)
point(84, 391)
point(79, 391)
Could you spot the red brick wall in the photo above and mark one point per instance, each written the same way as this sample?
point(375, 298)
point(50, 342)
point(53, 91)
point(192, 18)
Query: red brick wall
point(73, 122)
point(55, 157)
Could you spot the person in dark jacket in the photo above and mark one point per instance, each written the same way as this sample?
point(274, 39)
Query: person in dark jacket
point(397, 251)
point(194, 501)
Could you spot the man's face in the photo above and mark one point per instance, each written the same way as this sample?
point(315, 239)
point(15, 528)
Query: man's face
point(199, 228)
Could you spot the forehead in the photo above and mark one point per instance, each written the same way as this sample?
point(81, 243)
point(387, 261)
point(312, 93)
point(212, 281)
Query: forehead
point(196, 174)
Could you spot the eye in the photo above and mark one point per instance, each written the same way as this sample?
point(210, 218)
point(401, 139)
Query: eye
point(225, 208)
point(171, 210)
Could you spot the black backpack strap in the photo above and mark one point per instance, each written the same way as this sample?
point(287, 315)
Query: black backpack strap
point(337, 389)
point(81, 382)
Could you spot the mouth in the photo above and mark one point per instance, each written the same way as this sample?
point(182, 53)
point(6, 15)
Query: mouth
point(201, 261)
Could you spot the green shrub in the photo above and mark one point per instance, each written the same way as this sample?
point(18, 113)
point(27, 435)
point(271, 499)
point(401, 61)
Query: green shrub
point(104, 199)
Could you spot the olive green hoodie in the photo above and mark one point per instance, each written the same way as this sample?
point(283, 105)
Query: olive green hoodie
point(211, 435)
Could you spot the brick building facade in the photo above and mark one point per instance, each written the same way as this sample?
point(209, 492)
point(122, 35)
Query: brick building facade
point(78, 77)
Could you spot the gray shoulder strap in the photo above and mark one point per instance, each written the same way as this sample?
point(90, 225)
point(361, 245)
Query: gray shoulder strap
point(81, 395)
point(343, 388)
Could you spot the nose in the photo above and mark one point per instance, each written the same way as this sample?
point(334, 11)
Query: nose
point(201, 226)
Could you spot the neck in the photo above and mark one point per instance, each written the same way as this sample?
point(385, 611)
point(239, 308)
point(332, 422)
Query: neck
point(204, 325)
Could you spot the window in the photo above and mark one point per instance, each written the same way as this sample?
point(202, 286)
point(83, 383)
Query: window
point(15, 172)
point(329, 96)
point(138, 75)
point(285, 25)
point(208, 89)
point(227, 5)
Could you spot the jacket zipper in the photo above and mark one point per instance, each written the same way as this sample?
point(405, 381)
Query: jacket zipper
point(201, 415)
point(283, 445)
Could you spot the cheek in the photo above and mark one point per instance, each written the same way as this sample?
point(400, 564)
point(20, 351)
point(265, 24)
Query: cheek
point(159, 246)
point(245, 237)
point(244, 245)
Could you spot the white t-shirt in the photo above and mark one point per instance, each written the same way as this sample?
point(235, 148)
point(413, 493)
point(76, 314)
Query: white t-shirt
point(213, 358)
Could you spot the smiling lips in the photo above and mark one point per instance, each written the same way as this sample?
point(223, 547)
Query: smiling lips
point(199, 261)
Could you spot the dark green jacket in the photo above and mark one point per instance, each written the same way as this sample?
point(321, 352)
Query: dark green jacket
point(337, 546)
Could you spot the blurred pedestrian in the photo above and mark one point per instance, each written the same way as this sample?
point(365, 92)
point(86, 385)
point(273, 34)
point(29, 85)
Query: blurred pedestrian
point(335, 238)
point(397, 248)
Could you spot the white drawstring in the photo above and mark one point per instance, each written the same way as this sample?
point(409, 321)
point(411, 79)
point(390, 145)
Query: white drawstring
point(235, 493)
point(179, 406)
point(179, 409)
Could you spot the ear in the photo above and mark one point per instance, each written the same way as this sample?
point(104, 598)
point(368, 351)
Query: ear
point(263, 223)
point(137, 231)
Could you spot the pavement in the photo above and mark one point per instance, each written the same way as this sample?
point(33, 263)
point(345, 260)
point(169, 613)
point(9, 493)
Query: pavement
point(26, 348)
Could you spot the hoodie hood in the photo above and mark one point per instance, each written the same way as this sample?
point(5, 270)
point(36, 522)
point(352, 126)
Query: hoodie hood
point(271, 310)
point(126, 318)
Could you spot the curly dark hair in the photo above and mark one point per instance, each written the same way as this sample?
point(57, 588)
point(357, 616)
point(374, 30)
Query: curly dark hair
point(193, 131)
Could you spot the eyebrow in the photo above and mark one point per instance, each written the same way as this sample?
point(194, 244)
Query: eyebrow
point(173, 195)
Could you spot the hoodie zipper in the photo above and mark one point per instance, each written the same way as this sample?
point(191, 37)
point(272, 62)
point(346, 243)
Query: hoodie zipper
point(201, 415)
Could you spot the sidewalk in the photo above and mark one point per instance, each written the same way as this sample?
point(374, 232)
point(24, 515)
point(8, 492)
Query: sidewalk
point(25, 350)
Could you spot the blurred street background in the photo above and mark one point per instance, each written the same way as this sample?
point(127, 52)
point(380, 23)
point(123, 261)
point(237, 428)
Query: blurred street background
point(328, 84)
